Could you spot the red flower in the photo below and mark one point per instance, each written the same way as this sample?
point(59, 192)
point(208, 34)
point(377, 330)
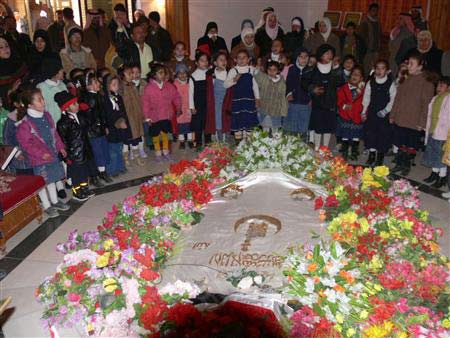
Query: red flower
point(135, 242)
point(79, 277)
point(318, 203)
point(147, 258)
point(184, 315)
point(149, 275)
point(331, 201)
point(118, 292)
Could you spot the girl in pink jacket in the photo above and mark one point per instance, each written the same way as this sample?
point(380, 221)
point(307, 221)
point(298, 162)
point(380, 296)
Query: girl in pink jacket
point(183, 120)
point(39, 140)
point(159, 101)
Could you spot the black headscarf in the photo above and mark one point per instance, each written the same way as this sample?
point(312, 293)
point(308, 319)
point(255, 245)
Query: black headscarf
point(36, 58)
point(210, 26)
point(11, 70)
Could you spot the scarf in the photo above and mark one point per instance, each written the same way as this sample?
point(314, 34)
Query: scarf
point(324, 68)
point(35, 113)
point(275, 79)
point(275, 57)
point(271, 32)
point(327, 22)
point(244, 33)
point(435, 110)
point(408, 27)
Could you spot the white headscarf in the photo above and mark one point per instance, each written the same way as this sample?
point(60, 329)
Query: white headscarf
point(272, 32)
point(244, 33)
point(327, 22)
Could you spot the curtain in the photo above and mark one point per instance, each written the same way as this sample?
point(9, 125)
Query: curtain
point(439, 23)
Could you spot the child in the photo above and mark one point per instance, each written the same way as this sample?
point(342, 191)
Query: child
point(322, 84)
point(347, 66)
point(272, 88)
point(117, 125)
point(72, 128)
point(245, 96)
point(42, 146)
point(133, 108)
point(275, 52)
point(438, 125)
point(197, 99)
point(138, 81)
point(312, 60)
point(285, 63)
point(19, 165)
point(158, 103)
point(378, 99)
point(446, 161)
point(409, 113)
point(299, 108)
point(184, 120)
point(97, 125)
point(215, 87)
point(349, 102)
point(52, 85)
point(180, 56)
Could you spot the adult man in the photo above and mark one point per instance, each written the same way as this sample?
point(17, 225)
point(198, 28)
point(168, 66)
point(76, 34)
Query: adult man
point(21, 24)
point(159, 38)
point(120, 27)
point(96, 36)
point(418, 20)
point(370, 32)
point(137, 51)
point(18, 42)
point(56, 32)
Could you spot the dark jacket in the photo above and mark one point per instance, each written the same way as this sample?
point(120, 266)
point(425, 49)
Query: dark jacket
point(360, 50)
point(433, 59)
point(294, 84)
point(95, 115)
point(119, 38)
point(20, 43)
point(75, 137)
point(293, 40)
point(330, 82)
point(161, 42)
point(214, 46)
point(405, 46)
point(56, 35)
point(236, 41)
point(129, 53)
point(264, 41)
point(114, 118)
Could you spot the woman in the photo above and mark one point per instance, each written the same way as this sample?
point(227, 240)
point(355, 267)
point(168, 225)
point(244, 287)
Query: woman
point(404, 29)
point(324, 36)
point(431, 54)
point(247, 43)
point(269, 32)
point(40, 50)
point(246, 23)
point(211, 41)
point(294, 39)
point(76, 55)
point(12, 69)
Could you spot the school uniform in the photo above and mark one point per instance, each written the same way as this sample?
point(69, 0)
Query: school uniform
point(198, 101)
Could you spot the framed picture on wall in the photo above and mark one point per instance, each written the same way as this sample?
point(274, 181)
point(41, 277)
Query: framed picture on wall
point(354, 17)
point(335, 18)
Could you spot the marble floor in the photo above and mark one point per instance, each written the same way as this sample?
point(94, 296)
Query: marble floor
point(32, 257)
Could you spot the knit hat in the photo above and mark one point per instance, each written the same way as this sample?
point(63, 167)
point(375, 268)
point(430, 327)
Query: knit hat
point(51, 66)
point(323, 49)
point(120, 8)
point(73, 30)
point(210, 26)
point(64, 100)
point(181, 67)
point(154, 16)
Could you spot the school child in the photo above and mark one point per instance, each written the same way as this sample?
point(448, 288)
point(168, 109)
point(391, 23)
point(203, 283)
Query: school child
point(379, 96)
point(286, 64)
point(138, 81)
point(19, 164)
point(197, 99)
point(215, 79)
point(312, 60)
point(438, 125)
point(276, 53)
point(347, 66)
point(42, 146)
point(184, 119)
point(158, 102)
point(54, 74)
point(131, 99)
point(409, 113)
point(350, 123)
point(446, 161)
point(322, 84)
point(72, 128)
point(299, 107)
point(96, 117)
point(245, 96)
point(117, 124)
point(272, 88)
point(180, 56)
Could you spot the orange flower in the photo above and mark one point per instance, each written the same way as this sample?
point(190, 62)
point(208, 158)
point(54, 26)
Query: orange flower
point(312, 267)
point(316, 279)
point(321, 294)
point(338, 288)
point(347, 276)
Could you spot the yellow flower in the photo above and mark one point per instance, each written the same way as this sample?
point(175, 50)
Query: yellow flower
point(381, 171)
point(377, 287)
point(375, 263)
point(349, 217)
point(116, 253)
point(446, 323)
point(407, 224)
point(384, 234)
point(103, 260)
point(351, 332)
point(339, 318)
point(364, 224)
point(364, 314)
point(414, 240)
point(402, 335)
point(90, 327)
point(108, 244)
point(378, 331)
point(110, 284)
point(338, 328)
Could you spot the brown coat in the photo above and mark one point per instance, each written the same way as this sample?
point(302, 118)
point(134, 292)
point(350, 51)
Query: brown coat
point(315, 40)
point(133, 107)
point(172, 65)
point(410, 107)
point(237, 48)
point(99, 44)
point(68, 64)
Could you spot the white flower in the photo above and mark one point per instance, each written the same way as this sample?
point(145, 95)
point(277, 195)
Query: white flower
point(257, 280)
point(331, 295)
point(330, 282)
point(309, 286)
point(245, 283)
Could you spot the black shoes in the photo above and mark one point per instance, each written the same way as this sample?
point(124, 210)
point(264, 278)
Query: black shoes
point(104, 176)
point(440, 182)
point(182, 145)
point(79, 195)
point(371, 160)
point(432, 178)
point(96, 182)
point(355, 151)
point(380, 159)
point(62, 194)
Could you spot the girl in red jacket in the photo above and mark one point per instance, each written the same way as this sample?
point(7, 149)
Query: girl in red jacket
point(349, 102)
point(158, 102)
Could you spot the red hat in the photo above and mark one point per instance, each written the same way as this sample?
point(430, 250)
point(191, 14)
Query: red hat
point(64, 100)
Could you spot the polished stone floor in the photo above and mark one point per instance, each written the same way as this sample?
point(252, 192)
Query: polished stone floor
point(32, 257)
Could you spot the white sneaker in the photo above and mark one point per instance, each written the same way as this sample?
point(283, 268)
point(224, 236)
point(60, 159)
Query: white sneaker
point(142, 153)
point(446, 195)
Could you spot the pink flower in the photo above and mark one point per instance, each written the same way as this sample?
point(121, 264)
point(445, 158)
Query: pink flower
point(73, 297)
point(402, 305)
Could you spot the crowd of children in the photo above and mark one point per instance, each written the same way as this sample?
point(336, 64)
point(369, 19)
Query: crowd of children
point(90, 128)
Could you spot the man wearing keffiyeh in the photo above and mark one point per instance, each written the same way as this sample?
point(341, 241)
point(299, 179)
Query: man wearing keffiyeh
point(96, 36)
